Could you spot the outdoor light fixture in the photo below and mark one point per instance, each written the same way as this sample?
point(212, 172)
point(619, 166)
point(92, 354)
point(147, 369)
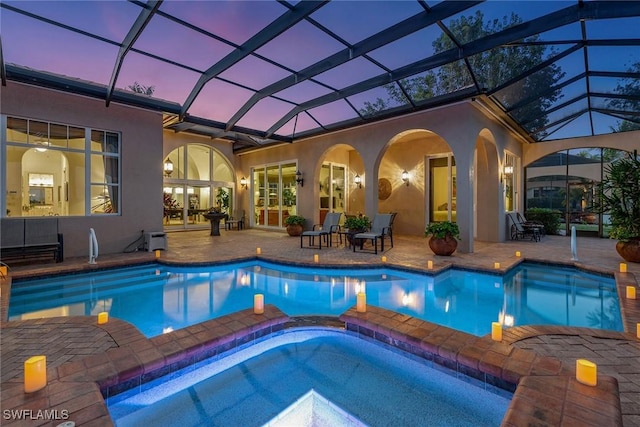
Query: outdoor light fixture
point(299, 178)
point(506, 171)
point(405, 177)
point(243, 183)
point(168, 168)
point(358, 181)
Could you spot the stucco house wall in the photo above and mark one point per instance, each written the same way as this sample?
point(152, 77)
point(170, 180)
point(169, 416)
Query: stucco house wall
point(141, 162)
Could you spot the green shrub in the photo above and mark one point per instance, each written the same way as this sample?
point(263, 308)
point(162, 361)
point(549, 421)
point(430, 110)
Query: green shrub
point(550, 218)
point(357, 223)
point(294, 220)
point(440, 230)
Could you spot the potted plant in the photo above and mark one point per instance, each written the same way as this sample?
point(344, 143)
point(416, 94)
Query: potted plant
point(355, 225)
point(619, 196)
point(294, 224)
point(443, 237)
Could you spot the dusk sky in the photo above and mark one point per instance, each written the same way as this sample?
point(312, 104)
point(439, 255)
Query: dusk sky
point(171, 56)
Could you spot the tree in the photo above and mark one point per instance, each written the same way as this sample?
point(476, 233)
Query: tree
point(491, 68)
point(629, 87)
point(138, 88)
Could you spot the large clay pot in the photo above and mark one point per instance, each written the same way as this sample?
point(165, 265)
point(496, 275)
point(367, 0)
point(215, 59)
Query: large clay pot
point(294, 229)
point(443, 246)
point(629, 251)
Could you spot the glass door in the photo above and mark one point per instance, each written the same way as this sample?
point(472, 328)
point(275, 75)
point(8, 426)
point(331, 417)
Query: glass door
point(442, 189)
point(333, 181)
point(275, 194)
point(259, 196)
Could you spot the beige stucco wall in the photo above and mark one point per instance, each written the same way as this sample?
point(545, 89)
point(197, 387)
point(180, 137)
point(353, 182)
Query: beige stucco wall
point(403, 142)
point(141, 157)
point(381, 149)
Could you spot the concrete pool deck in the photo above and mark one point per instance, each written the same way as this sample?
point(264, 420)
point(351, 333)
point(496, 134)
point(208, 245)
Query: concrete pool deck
point(68, 342)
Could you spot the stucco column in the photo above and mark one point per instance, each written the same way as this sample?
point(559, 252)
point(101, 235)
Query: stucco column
point(465, 168)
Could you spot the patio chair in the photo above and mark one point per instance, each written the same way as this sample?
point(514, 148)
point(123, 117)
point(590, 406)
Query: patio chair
point(380, 228)
point(390, 231)
point(527, 223)
point(237, 220)
point(330, 226)
point(520, 231)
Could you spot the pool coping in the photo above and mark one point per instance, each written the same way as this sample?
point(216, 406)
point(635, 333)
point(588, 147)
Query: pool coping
point(544, 392)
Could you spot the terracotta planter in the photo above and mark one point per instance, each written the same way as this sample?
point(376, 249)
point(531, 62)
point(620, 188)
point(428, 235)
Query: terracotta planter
point(443, 246)
point(294, 230)
point(629, 251)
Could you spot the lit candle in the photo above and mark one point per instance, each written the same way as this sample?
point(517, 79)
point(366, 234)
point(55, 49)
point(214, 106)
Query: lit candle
point(157, 253)
point(631, 292)
point(623, 267)
point(518, 254)
point(316, 258)
point(496, 265)
point(430, 265)
point(496, 331)
point(35, 373)
point(638, 330)
point(258, 303)
point(3, 270)
point(384, 258)
point(586, 372)
point(361, 302)
point(103, 317)
point(258, 251)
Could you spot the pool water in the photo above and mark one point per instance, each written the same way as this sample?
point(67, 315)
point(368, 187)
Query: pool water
point(159, 298)
point(359, 382)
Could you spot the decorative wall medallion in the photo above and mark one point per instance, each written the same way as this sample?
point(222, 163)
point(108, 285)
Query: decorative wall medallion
point(384, 188)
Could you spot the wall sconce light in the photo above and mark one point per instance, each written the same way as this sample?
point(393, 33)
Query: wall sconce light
point(243, 183)
point(405, 177)
point(168, 168)
point(358, 181)
point(299, 178)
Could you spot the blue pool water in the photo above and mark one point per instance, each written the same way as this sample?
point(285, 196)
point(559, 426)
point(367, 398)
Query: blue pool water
point(360, 383)
point(159, 298)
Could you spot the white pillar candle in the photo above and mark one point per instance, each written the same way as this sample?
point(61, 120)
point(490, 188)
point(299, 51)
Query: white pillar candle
point(430, 265)
point(496, 331)
point(35, 373)
point(518, 254)
point(258, 303)
point(623, 267)
point(631, 292)
point(258, 251)
point(316, 258)
point(496, 265)
point(103, 317)
point(157, 253)
point(361, 302)
point(586, 372)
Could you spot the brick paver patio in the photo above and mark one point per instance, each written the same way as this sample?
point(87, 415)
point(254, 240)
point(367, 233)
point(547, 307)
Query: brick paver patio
point(68, 341)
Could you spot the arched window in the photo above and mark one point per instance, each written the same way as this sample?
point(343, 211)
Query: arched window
point(196, 178)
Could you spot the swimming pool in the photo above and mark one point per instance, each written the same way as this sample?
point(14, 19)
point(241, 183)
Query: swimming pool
point(354, 382)
point(159, 298)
